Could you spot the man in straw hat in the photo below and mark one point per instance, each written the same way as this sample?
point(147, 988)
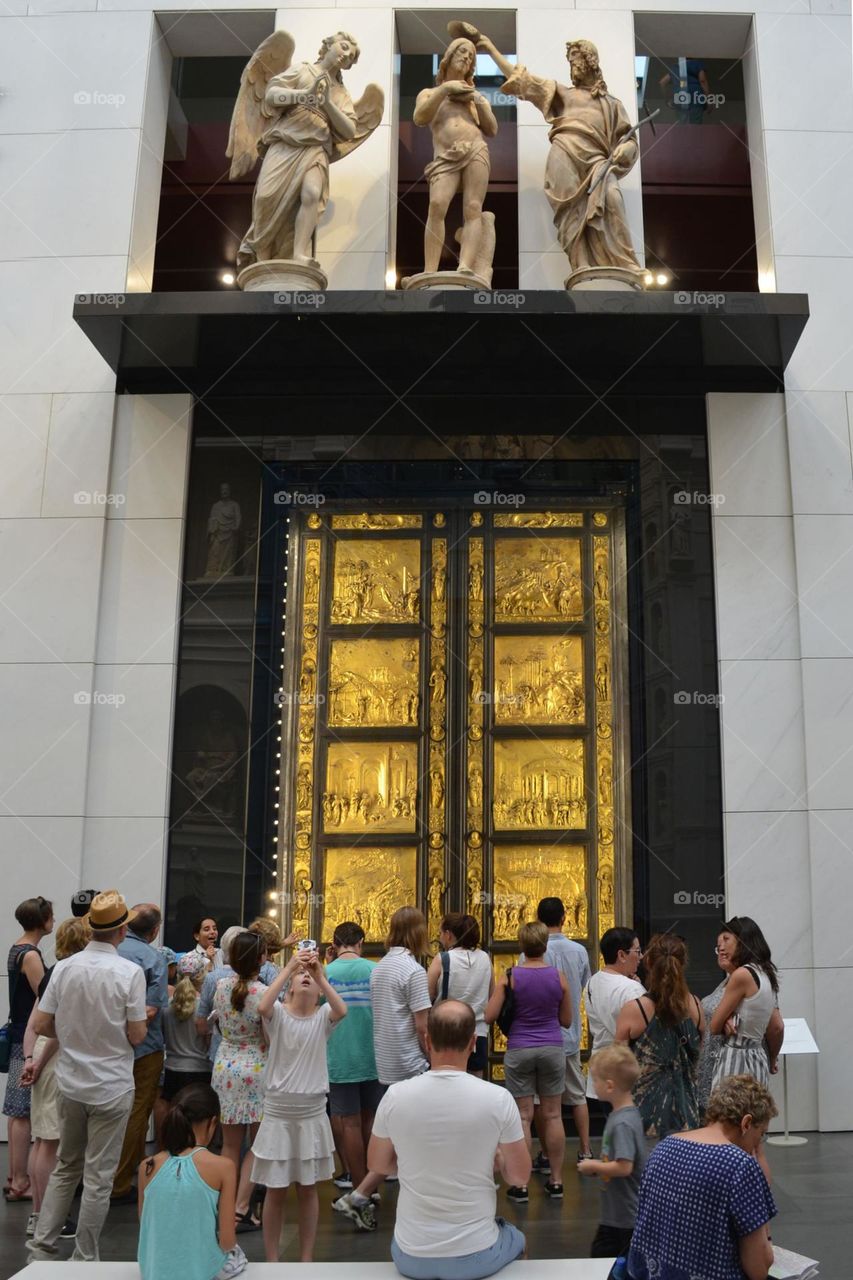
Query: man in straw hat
point(94, 1006)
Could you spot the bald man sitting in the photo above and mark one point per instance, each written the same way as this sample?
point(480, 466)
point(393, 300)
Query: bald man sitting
point(443, 1132)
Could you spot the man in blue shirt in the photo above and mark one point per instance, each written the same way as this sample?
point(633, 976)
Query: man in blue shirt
point(571, 959)
point(148, 1056)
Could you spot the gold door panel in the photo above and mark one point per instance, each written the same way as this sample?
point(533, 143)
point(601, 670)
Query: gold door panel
point(538, 580)
point(367, 884)
point(376, 581)
point(373, 683)
point(371, 786)
point(525, 873)
point(538, 784)
point(538, 680)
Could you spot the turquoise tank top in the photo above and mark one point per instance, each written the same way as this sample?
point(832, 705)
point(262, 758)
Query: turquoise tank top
point(177, 1234)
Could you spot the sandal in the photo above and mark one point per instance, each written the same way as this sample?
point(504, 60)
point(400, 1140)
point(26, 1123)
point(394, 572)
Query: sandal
point(13, 1196)
point(245, 1222)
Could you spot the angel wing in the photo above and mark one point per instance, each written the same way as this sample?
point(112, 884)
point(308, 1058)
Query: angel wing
point(368, 113)
point(249, 117)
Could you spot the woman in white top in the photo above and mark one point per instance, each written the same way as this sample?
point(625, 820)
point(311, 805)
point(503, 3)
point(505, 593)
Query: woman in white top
point(294, 1143)
point(206, 934)
point(748, 1014)
point(461, 971)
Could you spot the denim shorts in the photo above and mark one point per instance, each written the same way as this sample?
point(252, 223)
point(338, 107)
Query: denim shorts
point(509, 1245)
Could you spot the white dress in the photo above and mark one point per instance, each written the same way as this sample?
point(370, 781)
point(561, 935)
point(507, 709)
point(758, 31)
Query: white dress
point(294, 1142)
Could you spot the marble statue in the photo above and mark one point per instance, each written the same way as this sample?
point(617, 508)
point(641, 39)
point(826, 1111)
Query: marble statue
point(593, 145)
point(300, 119)
point(461, 120)
point(223, 529)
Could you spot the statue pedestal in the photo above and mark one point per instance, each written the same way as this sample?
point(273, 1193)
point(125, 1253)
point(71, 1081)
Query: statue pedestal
point(446, 280)
point(284, 275)
point(610, 278)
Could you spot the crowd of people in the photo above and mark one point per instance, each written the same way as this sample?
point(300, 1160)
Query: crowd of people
point(258, 1070)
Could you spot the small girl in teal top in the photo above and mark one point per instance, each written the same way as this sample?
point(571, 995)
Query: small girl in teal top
point(186, 1198)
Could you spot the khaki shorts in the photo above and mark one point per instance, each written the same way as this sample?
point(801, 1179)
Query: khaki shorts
point(575, 1092)
point(535, 1071)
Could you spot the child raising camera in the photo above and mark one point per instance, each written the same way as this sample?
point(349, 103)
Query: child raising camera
point(294, 1143)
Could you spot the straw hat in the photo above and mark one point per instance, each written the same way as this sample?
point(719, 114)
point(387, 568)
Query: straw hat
point(109, 911)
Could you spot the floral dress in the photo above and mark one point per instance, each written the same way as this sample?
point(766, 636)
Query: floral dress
point(238, 1072)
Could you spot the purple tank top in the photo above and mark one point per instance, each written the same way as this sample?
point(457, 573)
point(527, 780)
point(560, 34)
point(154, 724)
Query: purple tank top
point(538, 994)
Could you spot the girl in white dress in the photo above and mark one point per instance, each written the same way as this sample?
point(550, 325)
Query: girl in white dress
point(294, 1143)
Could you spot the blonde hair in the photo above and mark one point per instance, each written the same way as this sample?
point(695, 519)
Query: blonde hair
point(270, 932)
point(739, 1096)
point(185, 995)
point(71, 936)
point(533, 938)
point(408, 929)
point(616, 1062)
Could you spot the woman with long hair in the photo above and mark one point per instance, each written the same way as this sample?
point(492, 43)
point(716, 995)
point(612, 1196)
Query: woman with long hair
point(664, 1028)
point(26, 970)
point(747, 1016)
point(186, 1051)
point(463, 972)
point(186, 1197)
point(535, 1061)
point(294, 1144)
point(39, 1073)
point(238, 1072)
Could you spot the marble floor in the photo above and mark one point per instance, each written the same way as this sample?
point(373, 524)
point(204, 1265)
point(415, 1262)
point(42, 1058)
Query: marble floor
point(813, 1186)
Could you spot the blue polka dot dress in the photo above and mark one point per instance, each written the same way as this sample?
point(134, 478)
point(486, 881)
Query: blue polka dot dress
point(696, 1201)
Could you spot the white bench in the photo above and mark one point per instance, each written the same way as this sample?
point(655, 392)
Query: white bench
point(536, 1269)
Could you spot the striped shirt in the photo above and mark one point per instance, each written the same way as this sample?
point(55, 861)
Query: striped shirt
point(350, 1050)
point(398, 990)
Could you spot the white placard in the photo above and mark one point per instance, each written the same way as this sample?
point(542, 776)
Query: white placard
point(798, 1037)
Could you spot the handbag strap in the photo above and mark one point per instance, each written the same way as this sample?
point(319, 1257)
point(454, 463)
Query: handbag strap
point(445, 974)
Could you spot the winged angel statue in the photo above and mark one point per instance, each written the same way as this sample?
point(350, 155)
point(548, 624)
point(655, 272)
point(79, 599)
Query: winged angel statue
point(300, 119)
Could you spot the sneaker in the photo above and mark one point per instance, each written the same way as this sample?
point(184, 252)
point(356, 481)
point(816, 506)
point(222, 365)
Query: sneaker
point(363, 1215)
point(69, 1231)
point(344, 1181)
point(31, 1224)
point(392, 1177)
point(518, 1194)
point(235, 1263)
point(585, 1155)
point(554, 1190)
point(376, 1197)
point(542, 1164)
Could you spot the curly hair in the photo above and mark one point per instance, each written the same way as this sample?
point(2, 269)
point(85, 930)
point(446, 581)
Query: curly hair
point(269, 931)
point(185, 996)
point(447, 58)
point(739, 1096)
point(590, 55)
point(328, 41)
point(71, 936)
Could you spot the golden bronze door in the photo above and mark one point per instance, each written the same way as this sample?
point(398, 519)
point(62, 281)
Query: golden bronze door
point(454, 718)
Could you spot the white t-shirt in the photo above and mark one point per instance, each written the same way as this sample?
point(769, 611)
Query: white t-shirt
point(92, 997)
point(446, 1127)
point(297, 1057)
point(470, 975)
point(606, 993)
point(398, 989)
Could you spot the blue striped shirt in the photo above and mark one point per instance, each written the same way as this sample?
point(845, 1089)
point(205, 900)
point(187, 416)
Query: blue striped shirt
point(350, 1050)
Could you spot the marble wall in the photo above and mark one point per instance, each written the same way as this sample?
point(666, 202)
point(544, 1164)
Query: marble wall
point(89, 587)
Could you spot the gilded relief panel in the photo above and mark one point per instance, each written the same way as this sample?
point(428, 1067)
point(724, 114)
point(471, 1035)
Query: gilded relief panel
point(538, 784)
point(367, 885)
point(371, 786)
point(539, 680)
point(376, 581)
point(525, 873)
point(539, 520)
point(373, 683)
point(437, 696)
point(538, 580)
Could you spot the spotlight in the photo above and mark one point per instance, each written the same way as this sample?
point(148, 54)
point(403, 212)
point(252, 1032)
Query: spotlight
point(648, 278)
point(391, 279)
point(227, 277)
point(662, 278)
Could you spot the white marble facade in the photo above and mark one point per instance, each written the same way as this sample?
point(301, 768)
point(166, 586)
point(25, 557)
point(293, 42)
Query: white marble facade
point(90, 588)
